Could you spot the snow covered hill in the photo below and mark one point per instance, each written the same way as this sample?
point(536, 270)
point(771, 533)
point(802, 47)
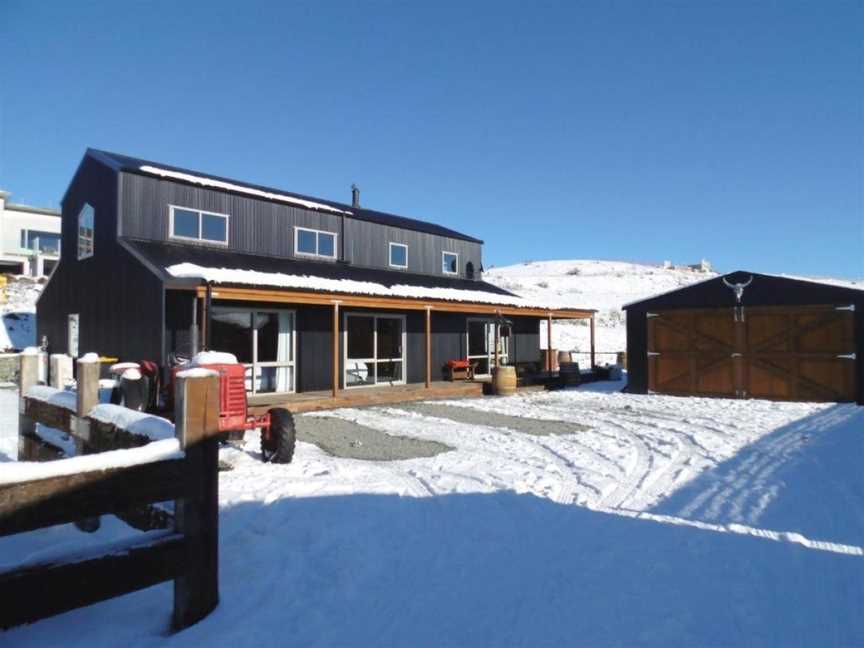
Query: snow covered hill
point(603, 285)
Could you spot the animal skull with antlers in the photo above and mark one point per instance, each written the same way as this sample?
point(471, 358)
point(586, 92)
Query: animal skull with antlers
point(738, 288)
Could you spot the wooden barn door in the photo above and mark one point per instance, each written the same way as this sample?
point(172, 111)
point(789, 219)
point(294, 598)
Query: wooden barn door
point(693, 352)
point(802, 353)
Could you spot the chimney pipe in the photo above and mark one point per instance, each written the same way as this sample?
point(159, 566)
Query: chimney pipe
point(355, 196)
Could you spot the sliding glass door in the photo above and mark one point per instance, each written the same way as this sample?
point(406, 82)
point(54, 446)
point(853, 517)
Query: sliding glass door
point(263, 340)
point(374, 350)
point(480, 342)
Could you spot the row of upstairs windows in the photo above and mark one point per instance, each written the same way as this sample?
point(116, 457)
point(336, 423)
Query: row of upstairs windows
point(209, 227)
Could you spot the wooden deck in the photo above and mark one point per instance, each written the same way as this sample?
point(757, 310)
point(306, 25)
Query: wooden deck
point(364, 396)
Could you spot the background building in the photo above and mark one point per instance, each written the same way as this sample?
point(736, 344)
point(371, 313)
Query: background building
point(29, 238)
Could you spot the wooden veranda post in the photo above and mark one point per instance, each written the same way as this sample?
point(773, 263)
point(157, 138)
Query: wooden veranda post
point(593, 363)
point(196, 590)
point(335, 347)
point(549, 343)
point(497, 337)
point(428, 347)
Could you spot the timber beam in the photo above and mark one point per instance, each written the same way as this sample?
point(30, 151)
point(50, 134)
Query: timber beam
point(398, 303)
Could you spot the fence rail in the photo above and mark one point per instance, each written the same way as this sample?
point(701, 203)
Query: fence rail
point(123, 484)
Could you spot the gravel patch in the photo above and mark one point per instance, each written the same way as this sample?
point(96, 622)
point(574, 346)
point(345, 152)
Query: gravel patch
point(472, 416)
point(349, 440)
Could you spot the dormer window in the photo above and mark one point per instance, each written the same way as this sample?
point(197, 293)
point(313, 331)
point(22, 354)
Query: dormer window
point(86, 224)
point(449, 263)
point(196, 225)
point(399, 256)
point(309, 242)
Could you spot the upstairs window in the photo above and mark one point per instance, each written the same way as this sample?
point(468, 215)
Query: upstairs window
point(309, 242)
point(450, 263)
point(86, 224)
point(196, 225)
point(398, 256)
point(44, 242)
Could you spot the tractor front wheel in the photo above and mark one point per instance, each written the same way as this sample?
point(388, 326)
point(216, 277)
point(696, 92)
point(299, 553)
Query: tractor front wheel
point(277, 442)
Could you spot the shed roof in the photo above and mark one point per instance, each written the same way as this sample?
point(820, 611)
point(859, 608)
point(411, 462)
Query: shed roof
point(139, 166)
point(765, 289)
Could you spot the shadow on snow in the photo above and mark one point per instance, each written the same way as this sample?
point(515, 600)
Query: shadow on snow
point(495, 569)
point(806, 477)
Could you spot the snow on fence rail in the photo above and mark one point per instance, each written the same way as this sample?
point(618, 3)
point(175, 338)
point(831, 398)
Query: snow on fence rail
point(182, 467)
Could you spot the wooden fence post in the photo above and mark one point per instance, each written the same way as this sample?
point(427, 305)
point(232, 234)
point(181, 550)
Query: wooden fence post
point(196, 420)
point(28, 375)
point(60, 373)
point(87, 397)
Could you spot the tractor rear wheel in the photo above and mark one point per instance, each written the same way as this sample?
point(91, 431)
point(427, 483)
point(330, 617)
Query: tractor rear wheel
point(277, 443)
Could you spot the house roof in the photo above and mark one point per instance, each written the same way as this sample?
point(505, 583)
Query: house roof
point(765, 289)
point(139, 166)
point(199, 264)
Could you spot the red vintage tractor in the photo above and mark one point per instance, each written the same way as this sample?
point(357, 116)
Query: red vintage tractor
point(278, 434)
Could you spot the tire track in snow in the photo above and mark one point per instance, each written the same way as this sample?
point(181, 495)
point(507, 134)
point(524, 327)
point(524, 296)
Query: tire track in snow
point(571, 485)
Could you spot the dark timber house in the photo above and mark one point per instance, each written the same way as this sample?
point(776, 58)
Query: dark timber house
point(783, 339)
point(310, 294)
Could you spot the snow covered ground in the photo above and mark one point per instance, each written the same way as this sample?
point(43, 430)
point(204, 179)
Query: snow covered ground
point(19, 313)
point(625, 520)
point(602, 285)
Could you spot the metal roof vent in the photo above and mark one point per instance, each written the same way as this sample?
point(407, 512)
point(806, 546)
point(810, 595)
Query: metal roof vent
point(355, 196)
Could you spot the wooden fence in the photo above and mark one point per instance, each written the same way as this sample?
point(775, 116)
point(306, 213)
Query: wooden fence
point(185, 551)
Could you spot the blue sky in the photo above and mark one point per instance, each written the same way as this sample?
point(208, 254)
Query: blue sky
point(642, 131)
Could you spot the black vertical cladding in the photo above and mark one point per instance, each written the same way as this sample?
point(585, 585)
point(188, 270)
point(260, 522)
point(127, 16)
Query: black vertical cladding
point(525, 339)
point(765, 290)
point(266, 228)
point(637, 352)
point(118, 300)
point(314, 348)
point(179, 325)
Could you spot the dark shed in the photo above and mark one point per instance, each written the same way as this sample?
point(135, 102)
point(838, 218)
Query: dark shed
point(786, 339)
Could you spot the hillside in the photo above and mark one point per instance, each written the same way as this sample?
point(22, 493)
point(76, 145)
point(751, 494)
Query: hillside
point(604, 285)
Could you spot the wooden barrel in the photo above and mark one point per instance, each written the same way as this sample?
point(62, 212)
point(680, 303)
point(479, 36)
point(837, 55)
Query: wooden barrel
point(504, 380)
point(564, 356)
point(569, 374)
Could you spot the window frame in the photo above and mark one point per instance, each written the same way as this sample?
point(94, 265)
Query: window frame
point(92, 238)
point(200, 213)
point(316, 254)
point(255, 365)
point(390, 255)
point(26, 237)
point(444, 253)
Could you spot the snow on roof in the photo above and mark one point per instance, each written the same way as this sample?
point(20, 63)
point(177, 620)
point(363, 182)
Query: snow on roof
point(352, 287)
point(823, 281)
point(18, 471)
point(230, 186)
